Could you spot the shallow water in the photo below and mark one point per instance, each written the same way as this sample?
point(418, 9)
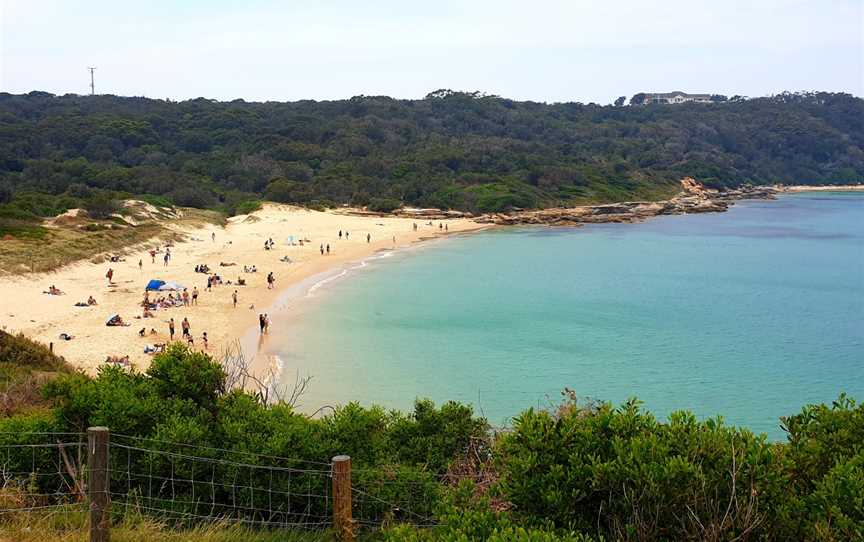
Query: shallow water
point(750, 314)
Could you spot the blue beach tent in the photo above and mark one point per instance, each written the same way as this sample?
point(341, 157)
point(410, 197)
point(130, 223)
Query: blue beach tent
point(154, 284)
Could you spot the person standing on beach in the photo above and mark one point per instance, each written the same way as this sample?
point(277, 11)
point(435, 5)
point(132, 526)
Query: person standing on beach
point(261, 322)
point(204, 338)
point(184, 325)
point(340, 235)
point(165, 259)
point(212, 236)
point(346, 235)
point(152, 256)
point(185, 297)
point(266, 323)
point(194, 295)
point(140, 265)
point(328, 249)
point(368, 237)
point(110, 275)
point(322, 249)
point(234, 298)
point(171, 329)
point(415, 226)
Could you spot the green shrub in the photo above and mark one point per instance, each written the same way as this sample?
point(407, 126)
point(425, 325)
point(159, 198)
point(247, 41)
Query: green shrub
point(384, 205)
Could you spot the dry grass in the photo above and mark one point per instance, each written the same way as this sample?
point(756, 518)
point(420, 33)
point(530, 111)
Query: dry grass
point(73, 239)
point(70, 525)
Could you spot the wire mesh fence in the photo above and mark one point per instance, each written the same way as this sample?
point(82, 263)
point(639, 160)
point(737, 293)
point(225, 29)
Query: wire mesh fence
point(41, 477)
point(187, 485)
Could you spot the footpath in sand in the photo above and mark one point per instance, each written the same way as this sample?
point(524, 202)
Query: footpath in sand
point(25, 308)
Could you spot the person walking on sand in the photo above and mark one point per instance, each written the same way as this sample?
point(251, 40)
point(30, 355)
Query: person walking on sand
point(368, 237)
point(328, 249)
point(110, 276)
point(184, 325)
point(261, 322)
point(165, 259)
point(140, 265)
point(194, 295)
point(152, 256)
point(213, 237)
point(322, 249)
point(234, 298)
point(340, 235)
point(171, 329)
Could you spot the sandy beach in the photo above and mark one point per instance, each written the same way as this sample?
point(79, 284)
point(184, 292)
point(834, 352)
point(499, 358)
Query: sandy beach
point(43, 317)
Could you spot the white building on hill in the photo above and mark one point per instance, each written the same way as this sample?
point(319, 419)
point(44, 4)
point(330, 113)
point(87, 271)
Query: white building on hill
point(676, 97)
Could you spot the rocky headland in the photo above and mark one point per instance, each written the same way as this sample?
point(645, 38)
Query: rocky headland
point(694, 198)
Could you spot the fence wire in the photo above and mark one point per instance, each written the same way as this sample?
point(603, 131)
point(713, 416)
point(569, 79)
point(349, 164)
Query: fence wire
point(42, 479)
point(185, 485)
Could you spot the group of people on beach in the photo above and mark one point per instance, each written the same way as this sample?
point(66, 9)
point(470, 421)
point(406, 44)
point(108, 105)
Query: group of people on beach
point(185, 298)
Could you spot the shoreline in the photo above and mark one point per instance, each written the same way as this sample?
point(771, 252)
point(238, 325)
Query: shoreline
point(825, 188)
point(44, 317)
point(293, 300)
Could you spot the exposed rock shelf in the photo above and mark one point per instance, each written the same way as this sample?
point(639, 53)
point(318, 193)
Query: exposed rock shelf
point(694, 198)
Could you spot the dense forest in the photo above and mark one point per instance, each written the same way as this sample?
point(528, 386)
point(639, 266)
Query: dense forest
point(455, 150)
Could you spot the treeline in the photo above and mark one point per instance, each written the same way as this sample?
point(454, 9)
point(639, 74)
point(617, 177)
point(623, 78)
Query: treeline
point(582, 472)
point(455, 150)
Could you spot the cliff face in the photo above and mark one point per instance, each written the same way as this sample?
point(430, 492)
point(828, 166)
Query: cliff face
point(694, 198)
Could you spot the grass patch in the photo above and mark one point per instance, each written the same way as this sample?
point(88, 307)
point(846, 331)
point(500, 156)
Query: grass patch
point(70, 524)
point(25, 366)
point(44, 247)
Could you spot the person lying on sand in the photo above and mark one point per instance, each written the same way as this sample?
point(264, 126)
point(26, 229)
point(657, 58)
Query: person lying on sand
point(285, 259)
point(241, 282)
point(52, 290)
point(227, 264)
point(66, 337)
point(154, 348)
point(118, 360)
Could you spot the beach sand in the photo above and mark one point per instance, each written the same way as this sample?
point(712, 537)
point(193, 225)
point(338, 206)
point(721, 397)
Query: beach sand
point(24, 308)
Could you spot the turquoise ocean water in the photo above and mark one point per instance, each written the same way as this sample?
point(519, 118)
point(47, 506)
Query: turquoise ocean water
point(749, 314)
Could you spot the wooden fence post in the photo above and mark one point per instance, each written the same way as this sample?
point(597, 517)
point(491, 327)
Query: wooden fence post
point(97, 483)
point(342, 522)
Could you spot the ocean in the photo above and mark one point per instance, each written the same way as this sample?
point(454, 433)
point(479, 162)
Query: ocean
point(749, 314)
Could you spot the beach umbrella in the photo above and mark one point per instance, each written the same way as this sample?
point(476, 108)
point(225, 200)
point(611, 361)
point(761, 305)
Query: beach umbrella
point(154, 284)
point(170, 285)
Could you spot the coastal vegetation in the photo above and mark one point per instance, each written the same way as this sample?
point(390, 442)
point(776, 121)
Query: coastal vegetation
point(577, 472)
point(451, 150)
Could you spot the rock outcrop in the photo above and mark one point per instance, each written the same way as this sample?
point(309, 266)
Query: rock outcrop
point(694, 198)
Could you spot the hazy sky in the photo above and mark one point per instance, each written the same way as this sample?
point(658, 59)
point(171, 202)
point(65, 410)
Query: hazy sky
point(576, 50)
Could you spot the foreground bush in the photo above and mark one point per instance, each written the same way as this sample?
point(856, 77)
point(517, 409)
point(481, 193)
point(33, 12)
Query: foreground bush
point(621, 472)
point(580, 473)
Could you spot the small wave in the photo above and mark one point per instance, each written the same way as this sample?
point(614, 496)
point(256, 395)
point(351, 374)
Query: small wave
point(324, 281)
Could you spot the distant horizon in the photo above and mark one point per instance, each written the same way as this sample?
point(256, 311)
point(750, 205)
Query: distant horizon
point(488, 94)
point(551, 51)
